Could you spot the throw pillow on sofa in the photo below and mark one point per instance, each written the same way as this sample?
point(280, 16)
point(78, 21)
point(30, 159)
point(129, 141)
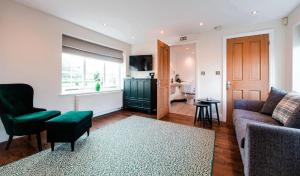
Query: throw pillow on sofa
point(275, 96)
point(287, 108)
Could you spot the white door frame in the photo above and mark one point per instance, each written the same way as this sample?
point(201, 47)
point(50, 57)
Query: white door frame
point(196, 61)
point(271, 61)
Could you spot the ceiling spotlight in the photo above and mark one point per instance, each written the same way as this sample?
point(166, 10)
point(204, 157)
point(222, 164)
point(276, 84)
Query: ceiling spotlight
point(104, 24)
point(254, 12)
point(201, 23)
point(162, 32)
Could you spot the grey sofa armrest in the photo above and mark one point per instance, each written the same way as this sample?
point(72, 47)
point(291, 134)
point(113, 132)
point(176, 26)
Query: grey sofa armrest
point(271, 150)
point(249, 105)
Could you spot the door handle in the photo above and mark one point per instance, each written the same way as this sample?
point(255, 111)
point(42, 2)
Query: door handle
point(228, 85)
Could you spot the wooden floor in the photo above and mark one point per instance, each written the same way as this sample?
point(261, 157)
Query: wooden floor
point(182, 108)
point(227, 159)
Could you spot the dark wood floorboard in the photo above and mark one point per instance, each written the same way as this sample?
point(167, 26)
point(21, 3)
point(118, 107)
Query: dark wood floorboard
point(227, 159)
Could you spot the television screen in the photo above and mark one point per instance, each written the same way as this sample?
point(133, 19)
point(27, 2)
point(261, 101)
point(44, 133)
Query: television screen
point(140, 63)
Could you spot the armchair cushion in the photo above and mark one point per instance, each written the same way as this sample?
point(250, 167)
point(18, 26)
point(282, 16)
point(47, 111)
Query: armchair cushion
point(36, 117)
point(33, 122)
point(16, 99)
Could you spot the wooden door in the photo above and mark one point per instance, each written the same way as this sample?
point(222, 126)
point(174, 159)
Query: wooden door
point(247, 70)
point(163, 76)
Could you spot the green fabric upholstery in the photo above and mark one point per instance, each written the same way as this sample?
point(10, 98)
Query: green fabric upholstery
point(36, 117)
point(16, 99)
point(33, 122)
point(68, 127)
point(72, 117)
point(18, 115)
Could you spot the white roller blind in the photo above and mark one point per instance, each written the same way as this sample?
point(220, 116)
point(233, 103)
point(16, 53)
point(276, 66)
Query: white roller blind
point(84, 48)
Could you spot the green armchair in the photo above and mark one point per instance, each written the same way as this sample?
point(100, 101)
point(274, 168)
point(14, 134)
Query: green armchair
point(18, 115)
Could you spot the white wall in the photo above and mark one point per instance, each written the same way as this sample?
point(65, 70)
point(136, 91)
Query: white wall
point(292, 46)
point(30, 52)
point(210, 57)
point(147, 48)
point(183, 62)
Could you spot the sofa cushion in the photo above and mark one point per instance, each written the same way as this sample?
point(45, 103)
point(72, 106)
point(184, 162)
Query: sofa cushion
point(243, 117)
point(255, 116)
point(275, 96)
point(294, 120)
point(287, 107)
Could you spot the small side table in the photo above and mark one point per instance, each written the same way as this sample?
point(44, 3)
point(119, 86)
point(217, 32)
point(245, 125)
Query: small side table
point(211, 102)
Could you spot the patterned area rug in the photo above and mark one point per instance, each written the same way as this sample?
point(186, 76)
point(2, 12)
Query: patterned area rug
point(133, 146)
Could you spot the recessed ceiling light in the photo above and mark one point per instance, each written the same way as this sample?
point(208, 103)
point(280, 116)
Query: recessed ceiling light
point(201, 23)
point(162, 32)
point(254, 12)
point(104, 24)
point(187, 48)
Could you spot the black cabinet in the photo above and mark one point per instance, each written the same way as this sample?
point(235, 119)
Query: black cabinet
point(140, 94)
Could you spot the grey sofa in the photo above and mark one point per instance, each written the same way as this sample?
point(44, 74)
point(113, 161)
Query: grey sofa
point(266, 146)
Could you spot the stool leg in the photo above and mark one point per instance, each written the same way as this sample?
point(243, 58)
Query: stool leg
point(203, 117)
point(200, 114)
point(72, 146)
point(52, 146)
point(88, 132)
point(196, 115)
point(210, 111)
point(209, 117)
point(217, 110)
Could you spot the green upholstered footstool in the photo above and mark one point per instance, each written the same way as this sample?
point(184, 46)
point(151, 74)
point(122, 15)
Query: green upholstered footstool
point(68, 127)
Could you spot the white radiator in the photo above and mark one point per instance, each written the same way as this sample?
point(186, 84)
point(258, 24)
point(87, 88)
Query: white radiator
point(100, 103)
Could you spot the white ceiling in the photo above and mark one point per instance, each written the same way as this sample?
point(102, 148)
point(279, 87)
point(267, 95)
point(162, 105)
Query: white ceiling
point(135, 21)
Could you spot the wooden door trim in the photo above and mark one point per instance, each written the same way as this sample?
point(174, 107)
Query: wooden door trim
point(271, 63)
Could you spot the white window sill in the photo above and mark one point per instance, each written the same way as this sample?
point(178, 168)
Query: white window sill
point(89, 92)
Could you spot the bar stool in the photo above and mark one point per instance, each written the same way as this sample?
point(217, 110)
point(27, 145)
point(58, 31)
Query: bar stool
point(203, 112)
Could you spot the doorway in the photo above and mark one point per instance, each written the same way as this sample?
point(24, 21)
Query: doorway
point(182, 79)
point(247, 70)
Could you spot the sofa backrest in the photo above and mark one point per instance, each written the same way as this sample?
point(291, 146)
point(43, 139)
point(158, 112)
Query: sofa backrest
point(16, 99)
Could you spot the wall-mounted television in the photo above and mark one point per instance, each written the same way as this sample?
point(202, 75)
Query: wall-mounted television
point(140, 63)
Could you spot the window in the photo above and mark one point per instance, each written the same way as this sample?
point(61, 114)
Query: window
point(78, 74)
point(86, 64)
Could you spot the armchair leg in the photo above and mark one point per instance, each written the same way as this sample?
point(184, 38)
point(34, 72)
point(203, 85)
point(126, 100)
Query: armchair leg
point(72, 145)
point(52, 146)
point(9, 142)
point(39, 143)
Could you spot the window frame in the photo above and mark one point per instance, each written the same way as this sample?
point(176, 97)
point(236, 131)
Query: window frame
point(84, 89)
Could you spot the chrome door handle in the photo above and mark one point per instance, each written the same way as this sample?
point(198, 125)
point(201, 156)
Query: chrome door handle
point(228, 85)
